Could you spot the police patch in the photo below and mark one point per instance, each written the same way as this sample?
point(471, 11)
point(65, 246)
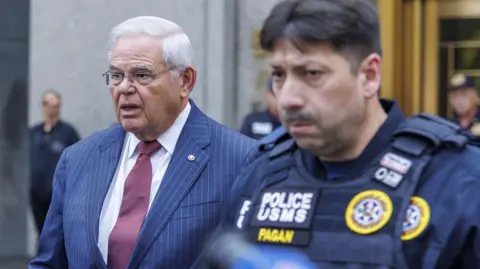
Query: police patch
point(285, 208)
point(368, 211)
point(242, 212)
point(57, 146)
point(283, 216)
point(388, 177)
point(475, 130)
point(417, 218)
point(396, 162)
point(262, 128)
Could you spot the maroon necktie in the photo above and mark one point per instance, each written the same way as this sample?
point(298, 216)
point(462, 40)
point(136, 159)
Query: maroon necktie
point(136, 197)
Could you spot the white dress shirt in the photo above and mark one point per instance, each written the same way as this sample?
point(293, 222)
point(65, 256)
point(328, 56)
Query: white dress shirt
point(159, 160)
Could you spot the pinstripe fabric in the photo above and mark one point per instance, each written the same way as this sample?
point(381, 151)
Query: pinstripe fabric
point(187, 207)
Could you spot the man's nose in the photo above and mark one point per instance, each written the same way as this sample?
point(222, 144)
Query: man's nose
point(126, 86)
point(291, 94)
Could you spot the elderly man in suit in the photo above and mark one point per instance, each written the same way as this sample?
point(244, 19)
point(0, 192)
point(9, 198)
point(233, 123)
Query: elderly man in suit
point(145, 193)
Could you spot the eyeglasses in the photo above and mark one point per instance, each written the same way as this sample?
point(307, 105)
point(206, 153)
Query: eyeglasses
point(115, 78)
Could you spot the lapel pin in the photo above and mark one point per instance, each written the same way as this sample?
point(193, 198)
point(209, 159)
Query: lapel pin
point(191, 157)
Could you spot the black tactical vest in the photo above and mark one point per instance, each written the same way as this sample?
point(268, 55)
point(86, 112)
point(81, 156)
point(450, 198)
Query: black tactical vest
point(357, 223)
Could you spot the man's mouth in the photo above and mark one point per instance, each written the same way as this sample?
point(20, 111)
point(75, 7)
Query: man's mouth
point(129, 110)
point(129, 107)
point(300, 127)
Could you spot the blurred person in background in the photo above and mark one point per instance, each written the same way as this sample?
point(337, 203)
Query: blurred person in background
point(48, 139)
point(260, 124)
point(463, 98)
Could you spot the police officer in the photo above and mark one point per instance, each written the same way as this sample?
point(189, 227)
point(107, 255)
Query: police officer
point(463, 98)
point(353, 184)
point(260, 124)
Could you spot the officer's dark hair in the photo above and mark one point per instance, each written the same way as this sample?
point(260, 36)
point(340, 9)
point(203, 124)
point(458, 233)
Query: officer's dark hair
point(52, 92)
point(350, 26)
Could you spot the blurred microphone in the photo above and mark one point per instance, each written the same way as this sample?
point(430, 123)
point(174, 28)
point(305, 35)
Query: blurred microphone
point(231, 250)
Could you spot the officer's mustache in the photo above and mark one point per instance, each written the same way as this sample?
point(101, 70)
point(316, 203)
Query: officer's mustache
point(296, 116)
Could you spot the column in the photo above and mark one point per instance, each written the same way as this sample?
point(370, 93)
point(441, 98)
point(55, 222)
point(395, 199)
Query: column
point(14, 162)
point(220, 92)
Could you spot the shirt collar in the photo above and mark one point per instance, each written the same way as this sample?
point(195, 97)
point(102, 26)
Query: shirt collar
point(168, 139)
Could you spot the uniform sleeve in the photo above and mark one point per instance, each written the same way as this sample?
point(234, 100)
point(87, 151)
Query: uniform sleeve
point(51, 249)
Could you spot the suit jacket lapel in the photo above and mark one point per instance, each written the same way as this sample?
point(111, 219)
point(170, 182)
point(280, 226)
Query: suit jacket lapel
point(101, 171)
point(185, 167)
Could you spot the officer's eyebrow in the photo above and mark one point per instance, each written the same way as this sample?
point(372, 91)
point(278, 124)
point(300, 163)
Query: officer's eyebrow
point(298, 65)
point(275, 65)
point(305, 63)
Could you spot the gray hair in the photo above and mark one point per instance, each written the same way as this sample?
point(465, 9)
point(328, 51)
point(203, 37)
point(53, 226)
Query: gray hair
point(176, 46)
point(51, 92)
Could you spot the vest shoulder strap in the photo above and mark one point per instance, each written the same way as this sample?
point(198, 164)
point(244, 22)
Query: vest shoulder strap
point(282, 148)
point(268, 142)
point(279, 160)
point(426, 133)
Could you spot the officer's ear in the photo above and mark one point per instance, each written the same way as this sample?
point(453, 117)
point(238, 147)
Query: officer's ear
point(369, 75)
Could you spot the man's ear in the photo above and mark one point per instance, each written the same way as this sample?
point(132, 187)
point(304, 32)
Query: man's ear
point(187, 79)
point(370, 75)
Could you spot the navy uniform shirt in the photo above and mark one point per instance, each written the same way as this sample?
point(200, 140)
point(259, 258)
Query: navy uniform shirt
point(45, 151)
point(259, 124)
point(451, 189)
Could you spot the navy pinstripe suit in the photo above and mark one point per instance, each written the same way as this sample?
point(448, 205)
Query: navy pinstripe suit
point(187, 207)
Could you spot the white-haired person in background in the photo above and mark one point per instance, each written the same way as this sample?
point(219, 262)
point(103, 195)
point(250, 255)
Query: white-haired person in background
point(147, 192)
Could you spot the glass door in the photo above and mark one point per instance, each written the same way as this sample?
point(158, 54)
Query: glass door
point(459, 53)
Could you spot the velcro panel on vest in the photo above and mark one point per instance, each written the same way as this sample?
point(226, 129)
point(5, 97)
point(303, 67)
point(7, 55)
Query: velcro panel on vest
point(352, 249)
point(423, 131)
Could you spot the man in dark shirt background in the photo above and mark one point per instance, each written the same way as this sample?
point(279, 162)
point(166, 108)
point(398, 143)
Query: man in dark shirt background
point(260, 124)
point(47, 142)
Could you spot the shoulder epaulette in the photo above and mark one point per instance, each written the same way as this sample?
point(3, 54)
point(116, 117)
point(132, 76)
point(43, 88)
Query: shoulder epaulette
point(276, 137)
point(282, 147)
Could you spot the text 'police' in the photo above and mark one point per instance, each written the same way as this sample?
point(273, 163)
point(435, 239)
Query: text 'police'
point(285, 206)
